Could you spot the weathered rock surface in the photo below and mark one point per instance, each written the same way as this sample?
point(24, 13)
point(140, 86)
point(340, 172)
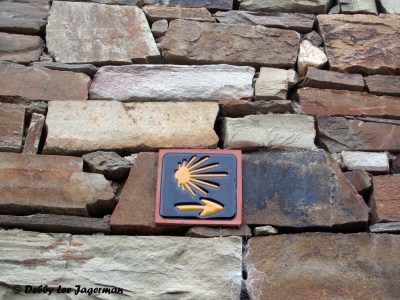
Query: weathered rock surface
point(243, 231)
point(274, 84)
point(396, 165)
point(189, 42)
point(242, 108)
point(34, 132)
point(57, 223)
point(360, 180)
point(12, 118)
point(391, 227)
point(87, 69)
point(159, 28)
point(172, 83)
point(338, 134)
point(302, 23)
point(158, 12)
point(130, 263)
point(265, 230)
point(322, 79)
point(315, 265)
point(389, 6)
point(358, 6)
point(310, 56)
point(212, 5)
point(386, 197)
point(76, 127)
point(299, 190)
point(345, 103)
point(20, 48)
point(37, 83)
point(275, 131)
point(383, 85)
point(287, 6)
point(362, 43)
point(99, 34)
point(110, 164)
point(367, 161)
point(23, 17)
point(314, 38)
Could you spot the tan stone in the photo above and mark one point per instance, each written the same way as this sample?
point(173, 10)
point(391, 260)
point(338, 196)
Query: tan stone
point(209, 232)
point(274, 84)
point(242, 108)
point(157, 12)
point(12, 118)
point(31, 145)
point(20, 48)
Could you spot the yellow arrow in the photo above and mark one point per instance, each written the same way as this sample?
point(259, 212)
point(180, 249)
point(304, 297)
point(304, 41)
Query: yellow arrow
point(209, 208)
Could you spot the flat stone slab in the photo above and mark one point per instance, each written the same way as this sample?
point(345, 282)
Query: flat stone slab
point(358, 6)
point(76, 127)
point(383, 85)
point(38, 84)
point(243, 231)
point(346, 103)
point(338, 134)
point(12, 118)
point(288, 6)
point(371, 48)
point(157, 12)
point(274, 84)
point(99, 34)
point(389, 6)
point(301, 266)
point(172, 83)
point(302, 23)
point(242, 108)
point(299, 190)
point(135, 263)
point(367, 161)
point(391, 227)
point(87, 69)
point(212, 5)
point(189, 42)
point(386, 197)
point(20, 48)
point(269, 131)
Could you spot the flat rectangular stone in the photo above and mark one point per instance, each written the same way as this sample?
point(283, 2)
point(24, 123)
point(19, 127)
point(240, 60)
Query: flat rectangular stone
point(391, 227)
point(358, 6)
point(77, 127)
point(20, 48)
point(367, 161)
point(383, 85)
point(242, 108)
point(364, 44)
point(157, 12)
point(189, 42)
point(322, 79)
point(274, 84)
point(302, 23)
point(389, 6)
point(99, 34)
point(172, 83)
point(344, 103)
point(87, 69)
point(288, 6)
point(243, 231)
point(141, 267)
point(273, 131)
point(31, 145)
point(386, 198)
point(12, 118)
point(212, 5)
point(338, 134)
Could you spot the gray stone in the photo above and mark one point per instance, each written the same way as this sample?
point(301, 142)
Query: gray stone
point(358, 6)
point(243, 231)
point(288, 6)
point(87, 69)
point(396, 165)
point(20, 48)
point(172, 83)
point(12, 118)
point(274, 84)
point(110, 2)
point(314, 38)
point(383, 85)
point(169, 13)
point(333, 80)
point(389, 6)
point(265, 230)
point(159, 28)
point(34, 132)
point(366, 161)
point(242, 108)
point(391, 227)
point(270, 131)
point(212, 5)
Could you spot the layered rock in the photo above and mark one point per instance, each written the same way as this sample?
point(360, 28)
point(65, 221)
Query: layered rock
point(322, 79)
point(391, 227)
point(87, 69)
point(287, 6)
point(358, 7)
point(12, 118)
point(20, 48)
point(367, 161)
point(274, 84)
point(172, 83)
point(157, 12)
point(189, 42)
point(76, 127)
point(34, 132)
point(212, 5)
point(383, 85)
point(242, 108)
point(99, 34)
point(386, 198)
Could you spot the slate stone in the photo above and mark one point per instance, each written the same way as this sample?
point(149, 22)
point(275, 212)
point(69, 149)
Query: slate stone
point(360, 180)
point(391, 227)
point(274, 84)
point(383, 85)
point(358, 7)
point(298, 191)
point(242, 108)
point(20, 48)
point(367, 161)
point(212, 5)
point(157, 12)
point(386, 199)
point(87, 69)
point(288, 6)
point(243, 231)
point(12, 118)
point(389, 6)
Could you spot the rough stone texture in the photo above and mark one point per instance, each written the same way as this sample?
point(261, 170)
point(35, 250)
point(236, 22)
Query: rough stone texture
point(392, 227)
point(57, 223)
point(314, 38)
point(20, 48)
point(265, 230)
point(310, 56)
point(189, 42)
point(209, 232)
point(338, 134)
point(275, 131)
point(134, 213)
point(362, 43)
point(299, 190)
point(159, 28)
point(31, 145)
point(242, 108)
point(110, 164)
point(76, 127)
point(287, 6)
point(110, 2)
point(322, 79)
point(144, 267)
point(396, 165)
point(87, 69)
point(360, 180)
point(386, 198)
point(24, 17)
point(323, 265)
point(274, 84)
point(344, 103)
point(212, 5)
point(367, 161)
point(157, 12)
point(302, 23)
point(172, 83)
point(12, 118)
point(99, 34)
point(383, 85)
point(389, 6)
point(37, 83)
point(358, 6)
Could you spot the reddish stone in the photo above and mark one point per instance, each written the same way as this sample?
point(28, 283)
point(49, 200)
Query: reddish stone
point(383, 85)
point(386, 197)
point(360, 180)
point(242, 108)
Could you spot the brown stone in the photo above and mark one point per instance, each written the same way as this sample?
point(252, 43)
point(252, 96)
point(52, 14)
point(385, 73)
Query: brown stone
point(20, 48)
point(242, 108)
point(189, 42)
point(383, 85)
point(211, 5)
point(134, 213)
point(396, 165)
point(322, 79)
point(360, 180)
point(34, 133)
point(37, 83)
point(344, 103)
point(323, 265)
point(209, 232)
point(157, 12)
point(386, 197)
point(337, 134)
point(57, 223)
point(12, 118)
point(362, 43)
